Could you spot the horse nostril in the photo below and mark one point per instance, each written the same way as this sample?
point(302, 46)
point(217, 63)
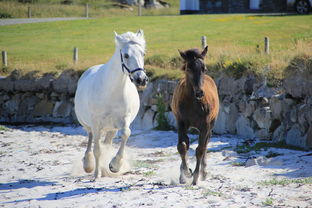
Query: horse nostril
point(138, 80)
point(144, 82)
point(199, 94)
point(141, 81)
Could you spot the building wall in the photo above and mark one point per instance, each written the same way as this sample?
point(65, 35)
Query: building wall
point(236, 6)
point(189, 6)
point(231, 6)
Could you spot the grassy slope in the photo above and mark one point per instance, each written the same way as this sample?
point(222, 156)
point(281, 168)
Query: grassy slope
point(97, 8)
point(47, 46)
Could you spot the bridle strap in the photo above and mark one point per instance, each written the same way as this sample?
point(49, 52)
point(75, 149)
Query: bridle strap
point(130, 72)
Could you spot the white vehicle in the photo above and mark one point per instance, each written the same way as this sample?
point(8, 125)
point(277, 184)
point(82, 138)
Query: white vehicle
point(300, 6)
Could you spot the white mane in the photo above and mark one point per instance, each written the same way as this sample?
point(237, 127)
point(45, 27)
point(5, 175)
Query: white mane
point(128, 37)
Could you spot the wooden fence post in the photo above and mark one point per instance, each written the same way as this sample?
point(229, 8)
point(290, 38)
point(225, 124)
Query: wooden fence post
point(203, 41)
point(87, 10)
point(266, 45)
point(139, 9)
point(4, 59)
point(75, 57)
point(29, 12)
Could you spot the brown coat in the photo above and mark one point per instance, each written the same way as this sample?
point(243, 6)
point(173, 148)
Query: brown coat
point(185, 105)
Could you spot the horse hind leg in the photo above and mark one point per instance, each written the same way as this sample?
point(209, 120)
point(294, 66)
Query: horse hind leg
point(185, 171)
point(88, 160)
point(117, 161)
point(203, 172)
point(200, 152)
point(109, 137)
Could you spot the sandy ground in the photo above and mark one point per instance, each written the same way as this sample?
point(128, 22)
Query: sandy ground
point(41, 166)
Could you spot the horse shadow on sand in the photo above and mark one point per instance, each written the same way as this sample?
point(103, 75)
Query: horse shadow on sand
point(80, 192)
point(24, 184)
point(72, 193)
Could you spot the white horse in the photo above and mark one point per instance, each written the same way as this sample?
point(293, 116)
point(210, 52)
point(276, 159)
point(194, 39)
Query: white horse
point(107, 100)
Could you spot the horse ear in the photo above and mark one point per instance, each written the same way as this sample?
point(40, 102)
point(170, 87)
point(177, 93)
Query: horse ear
point(182, 54)
point(117, 37)
point(140, 33)
point(204, 52)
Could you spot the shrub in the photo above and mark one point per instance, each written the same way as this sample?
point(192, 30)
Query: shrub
point(67, 2)
point(176, 62)
point(62, 67)
point(4, 70)
point(162, 121)
point(237, 67)
point(157, 60)
point(299, 64)
point(5, 15)
point(27, 1)
point(164, 61)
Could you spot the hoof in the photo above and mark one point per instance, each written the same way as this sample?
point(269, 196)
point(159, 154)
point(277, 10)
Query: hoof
point(88, 170)
point(182, 180)
point(115, 165)
point(185, 176)
point(194, 183)
point(88, 162)
point(113, 169)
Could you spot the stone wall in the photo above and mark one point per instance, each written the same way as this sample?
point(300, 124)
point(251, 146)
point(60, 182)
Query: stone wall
point(249, 108)
point(38, 99)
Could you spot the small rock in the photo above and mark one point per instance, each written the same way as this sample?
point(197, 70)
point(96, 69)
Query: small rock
point(276, 106)
point(243, 127)
point(229, 153)
point(154, 108)
point(275, 162)
point(263, 117)
point(251, 162)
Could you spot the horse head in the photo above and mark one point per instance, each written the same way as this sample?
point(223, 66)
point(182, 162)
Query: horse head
point(132, 51)
point(194, 68)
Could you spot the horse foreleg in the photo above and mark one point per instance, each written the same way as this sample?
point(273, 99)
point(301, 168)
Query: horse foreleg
point(97, 153)
point(88, 160)
point(203, 170)
point(183, 146)
point(200, 151)
point(116, 162)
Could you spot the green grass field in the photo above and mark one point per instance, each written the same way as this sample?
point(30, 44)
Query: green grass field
point(232, 39)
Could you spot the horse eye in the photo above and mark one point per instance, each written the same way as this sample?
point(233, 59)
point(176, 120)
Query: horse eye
point(126, 55)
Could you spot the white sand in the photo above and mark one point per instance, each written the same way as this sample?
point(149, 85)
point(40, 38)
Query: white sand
point(42, 167)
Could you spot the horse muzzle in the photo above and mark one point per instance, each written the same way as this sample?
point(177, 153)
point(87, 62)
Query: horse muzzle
point(199, 94)
point(139, 78)
point(141, 81)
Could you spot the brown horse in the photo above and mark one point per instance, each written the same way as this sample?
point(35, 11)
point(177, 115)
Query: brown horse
point(195, 103)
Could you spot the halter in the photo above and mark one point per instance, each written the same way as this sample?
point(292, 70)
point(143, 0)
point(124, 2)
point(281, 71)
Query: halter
point(130, 72)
